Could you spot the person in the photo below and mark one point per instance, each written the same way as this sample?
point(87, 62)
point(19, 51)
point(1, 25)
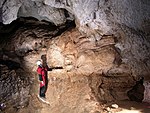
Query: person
point(43, 76)
point(42, 73)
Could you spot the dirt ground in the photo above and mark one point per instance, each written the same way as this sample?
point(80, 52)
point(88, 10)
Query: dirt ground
point(127, 106)
point(123, 107)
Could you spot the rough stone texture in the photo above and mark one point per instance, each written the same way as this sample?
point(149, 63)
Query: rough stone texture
point(134, 47)
point(146, 92)
point(42, 12)
point(101, 62)
point(92, 69)
point(140, 91)
point(14, 86)
point(137, 92)
point(102, 15)
point(127, 20)
point(11, 9)
point(81, 54)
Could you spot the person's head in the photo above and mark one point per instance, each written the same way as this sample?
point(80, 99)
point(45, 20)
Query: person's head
point(43, 57)
point(44, 60)
point(39, 63)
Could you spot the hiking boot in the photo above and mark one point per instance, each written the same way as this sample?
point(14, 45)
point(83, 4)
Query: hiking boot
point(42, 98)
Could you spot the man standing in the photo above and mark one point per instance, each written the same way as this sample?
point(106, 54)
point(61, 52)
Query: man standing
point(43, 76)
point(42, 72)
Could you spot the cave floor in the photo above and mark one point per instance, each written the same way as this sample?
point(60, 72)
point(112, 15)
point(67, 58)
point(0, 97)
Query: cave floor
point(124, 106)
point(127, 106)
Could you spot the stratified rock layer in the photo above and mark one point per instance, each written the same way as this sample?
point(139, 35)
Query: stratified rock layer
point(127, 20)
point(95, 68)
point(100, 63)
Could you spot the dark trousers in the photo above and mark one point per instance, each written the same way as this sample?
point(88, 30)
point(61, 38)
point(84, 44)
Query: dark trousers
point(42, 91)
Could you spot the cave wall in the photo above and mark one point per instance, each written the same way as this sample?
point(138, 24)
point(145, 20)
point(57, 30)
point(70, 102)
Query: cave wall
point(92, 70)
point(14, 85)
point(127, 20)
point(90, 73)
point(95, 14)
point(106, 52)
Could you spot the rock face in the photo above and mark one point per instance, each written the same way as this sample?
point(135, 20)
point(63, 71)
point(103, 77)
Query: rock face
point(102, 15)
point(102, 58)
point(93, 72)
point(14, 85)
point(137, 92)
point(127, 20)
point(146, 92)
point(16, 8)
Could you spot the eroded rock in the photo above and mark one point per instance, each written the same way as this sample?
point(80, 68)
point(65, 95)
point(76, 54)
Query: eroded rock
point(95, 67)
point(14, 87)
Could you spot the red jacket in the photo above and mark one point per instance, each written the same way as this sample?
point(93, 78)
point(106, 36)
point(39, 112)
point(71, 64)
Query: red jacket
point(43, 72)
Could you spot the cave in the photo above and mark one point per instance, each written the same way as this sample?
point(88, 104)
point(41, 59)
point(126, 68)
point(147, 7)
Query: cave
point(97, 51)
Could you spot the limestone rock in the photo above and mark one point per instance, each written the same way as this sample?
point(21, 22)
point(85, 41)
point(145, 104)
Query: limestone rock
point(95, 68)
point(95, 19)
point(146, 92)
point(16, 8)
point(14, 87)
point(90, 15)
point(42, 12)
point(9, 10)
point(114, 106)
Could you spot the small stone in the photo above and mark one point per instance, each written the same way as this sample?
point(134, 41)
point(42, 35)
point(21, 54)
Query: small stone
point(114, 106)
point(2, 106)
point(132, 108)
point(54, 78)
point(108, 109)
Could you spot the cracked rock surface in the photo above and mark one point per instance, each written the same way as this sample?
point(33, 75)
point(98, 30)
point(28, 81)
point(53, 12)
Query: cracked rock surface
point(102, 58)
point(93, 69)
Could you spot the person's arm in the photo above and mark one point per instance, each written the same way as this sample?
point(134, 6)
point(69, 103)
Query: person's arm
point(57, 68)
point(51, 68)
point(48, 68)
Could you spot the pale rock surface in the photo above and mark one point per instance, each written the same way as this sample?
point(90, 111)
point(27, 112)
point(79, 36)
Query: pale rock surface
point(17, 8)
point(42, 12)
point(9, 10)
point(147, 92)
point(94, 15)
point(124, 19)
